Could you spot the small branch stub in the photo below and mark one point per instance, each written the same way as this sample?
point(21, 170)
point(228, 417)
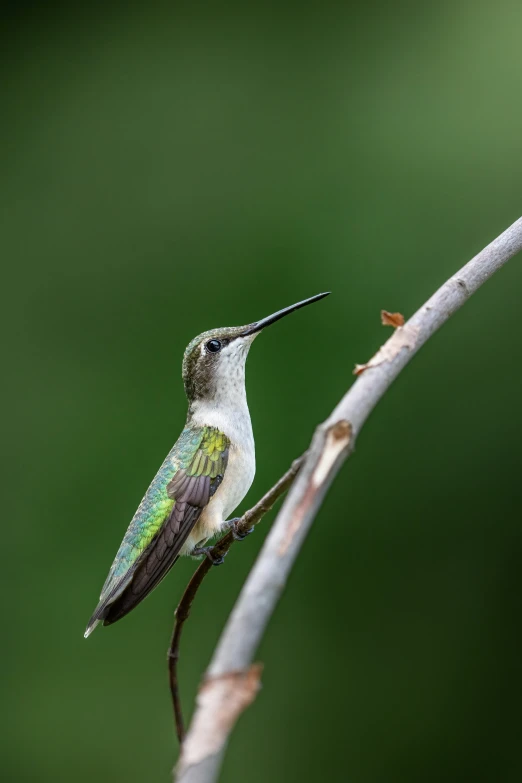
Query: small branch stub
point(403, 337)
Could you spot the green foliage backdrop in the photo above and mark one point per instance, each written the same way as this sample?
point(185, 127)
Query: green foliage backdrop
point(167, 169)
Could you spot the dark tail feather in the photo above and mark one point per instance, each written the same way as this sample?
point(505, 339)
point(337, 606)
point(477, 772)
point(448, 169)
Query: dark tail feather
point(98, 615)
point(156, 563)
point(129, 599)
point(153, 565)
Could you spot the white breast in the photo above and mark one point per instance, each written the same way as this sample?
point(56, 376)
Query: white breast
point(239, 474)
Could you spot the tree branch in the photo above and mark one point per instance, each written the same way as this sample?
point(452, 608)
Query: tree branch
point(248, 520)
point(231, 681)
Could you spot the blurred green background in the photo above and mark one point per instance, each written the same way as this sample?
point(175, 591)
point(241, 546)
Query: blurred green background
point(167, 169)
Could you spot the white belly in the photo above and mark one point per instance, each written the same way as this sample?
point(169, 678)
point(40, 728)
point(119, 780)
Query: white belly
point(230, 415)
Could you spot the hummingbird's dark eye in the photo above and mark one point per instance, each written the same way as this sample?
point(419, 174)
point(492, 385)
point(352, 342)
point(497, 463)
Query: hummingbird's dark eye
point(213, 346)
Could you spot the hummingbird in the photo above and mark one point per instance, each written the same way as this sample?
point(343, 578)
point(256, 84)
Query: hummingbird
point(204, 477)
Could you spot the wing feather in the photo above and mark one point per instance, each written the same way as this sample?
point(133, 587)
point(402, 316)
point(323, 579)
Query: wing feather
point(151, 548)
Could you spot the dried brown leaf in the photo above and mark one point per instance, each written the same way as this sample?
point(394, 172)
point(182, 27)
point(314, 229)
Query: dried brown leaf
point(392, 319)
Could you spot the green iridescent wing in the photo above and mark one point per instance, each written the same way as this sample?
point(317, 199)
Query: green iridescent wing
point(181, 489)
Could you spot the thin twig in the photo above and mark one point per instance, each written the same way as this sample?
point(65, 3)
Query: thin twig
point(231, 682)
point(181, 614)
point(248, 520)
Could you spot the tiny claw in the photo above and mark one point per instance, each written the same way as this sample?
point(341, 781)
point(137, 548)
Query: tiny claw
point(233, 526)
point(208, 551)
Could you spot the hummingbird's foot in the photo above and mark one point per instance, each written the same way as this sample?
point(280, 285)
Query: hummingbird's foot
point(208, 551)
point(233, 526)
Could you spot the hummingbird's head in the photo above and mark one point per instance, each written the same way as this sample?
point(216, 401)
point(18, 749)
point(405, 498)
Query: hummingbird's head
point(214, 362)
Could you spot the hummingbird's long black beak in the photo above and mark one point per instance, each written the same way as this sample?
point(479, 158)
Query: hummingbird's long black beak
point(271, 319)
